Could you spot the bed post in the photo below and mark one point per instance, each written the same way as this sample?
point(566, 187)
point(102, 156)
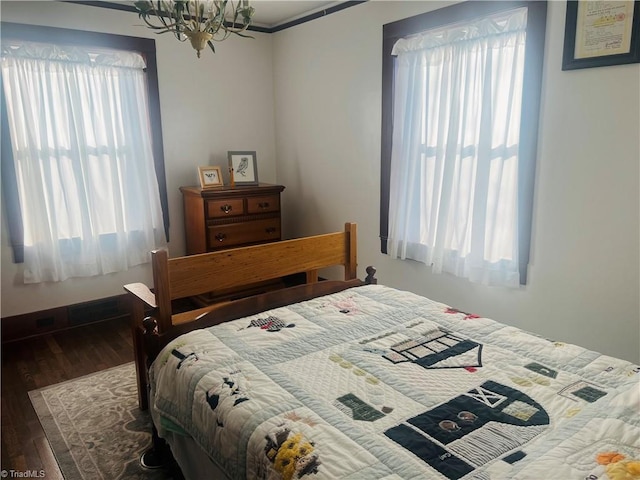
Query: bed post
point(137, 312)
point(141, 299)
point(146, 340)
point(371, 276)
point(162, 288)
point(150, 340)
point(351, 265)
point(312, 276)
point(159, 454)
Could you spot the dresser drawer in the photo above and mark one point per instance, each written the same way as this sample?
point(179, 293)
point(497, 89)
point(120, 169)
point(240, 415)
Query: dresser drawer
point(225, 236)
point(225, 208)
point(227, 217)
point(264, 204)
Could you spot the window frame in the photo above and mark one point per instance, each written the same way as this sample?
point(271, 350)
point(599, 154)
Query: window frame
point(532, 86)
point(64, 36)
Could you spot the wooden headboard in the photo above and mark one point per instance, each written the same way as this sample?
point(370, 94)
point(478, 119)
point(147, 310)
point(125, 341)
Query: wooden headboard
point(184, 277)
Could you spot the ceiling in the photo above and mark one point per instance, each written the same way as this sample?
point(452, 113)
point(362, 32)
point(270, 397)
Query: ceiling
point(271, 13)
point(268, 13)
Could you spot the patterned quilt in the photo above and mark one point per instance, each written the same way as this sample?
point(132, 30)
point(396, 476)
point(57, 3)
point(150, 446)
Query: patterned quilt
point(376, 383)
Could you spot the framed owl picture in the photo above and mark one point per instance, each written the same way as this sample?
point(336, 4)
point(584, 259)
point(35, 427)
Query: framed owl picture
point(210, 177)
point(243, 168)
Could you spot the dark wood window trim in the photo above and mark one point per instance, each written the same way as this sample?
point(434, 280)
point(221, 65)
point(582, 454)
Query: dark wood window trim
point(534, 55)
point(63, 36)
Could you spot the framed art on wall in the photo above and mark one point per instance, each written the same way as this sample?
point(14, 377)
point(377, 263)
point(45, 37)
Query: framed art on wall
point(243, 167)
point(599, 34)
point(210, 177)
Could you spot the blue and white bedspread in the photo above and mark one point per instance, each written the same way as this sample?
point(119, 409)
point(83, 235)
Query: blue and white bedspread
point(375, 383)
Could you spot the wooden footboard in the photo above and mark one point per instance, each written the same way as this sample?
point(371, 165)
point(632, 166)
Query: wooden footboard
point(184, 277)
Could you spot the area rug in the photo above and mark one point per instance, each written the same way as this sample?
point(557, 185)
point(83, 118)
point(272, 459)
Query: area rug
point(94, 426)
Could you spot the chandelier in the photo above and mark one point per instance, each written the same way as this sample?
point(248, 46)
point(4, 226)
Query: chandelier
point(201, 21)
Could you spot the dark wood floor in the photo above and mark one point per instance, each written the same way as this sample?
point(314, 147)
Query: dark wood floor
point(46, 360)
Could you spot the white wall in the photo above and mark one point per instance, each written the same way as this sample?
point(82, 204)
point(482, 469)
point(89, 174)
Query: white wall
point(584, 276)
point(220, 102)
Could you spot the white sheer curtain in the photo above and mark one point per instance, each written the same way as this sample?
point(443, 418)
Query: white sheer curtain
point(81, 143)
point(454, 162)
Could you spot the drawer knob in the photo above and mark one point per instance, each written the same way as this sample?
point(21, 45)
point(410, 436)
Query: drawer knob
point(221, 237)
point(263, 205)
point(226, 208)
point(270, 230)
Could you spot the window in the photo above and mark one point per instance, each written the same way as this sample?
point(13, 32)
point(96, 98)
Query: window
point(461, 91)
point(84, 160)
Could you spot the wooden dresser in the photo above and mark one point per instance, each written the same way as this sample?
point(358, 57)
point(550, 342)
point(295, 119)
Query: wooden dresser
point(225, 217)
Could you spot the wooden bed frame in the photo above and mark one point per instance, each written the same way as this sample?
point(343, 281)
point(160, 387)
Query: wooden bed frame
point(154, 324)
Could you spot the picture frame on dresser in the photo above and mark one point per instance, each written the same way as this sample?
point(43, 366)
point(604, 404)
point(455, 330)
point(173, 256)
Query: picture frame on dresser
point(243, 167)
point(600, 35)
point(210, 177)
